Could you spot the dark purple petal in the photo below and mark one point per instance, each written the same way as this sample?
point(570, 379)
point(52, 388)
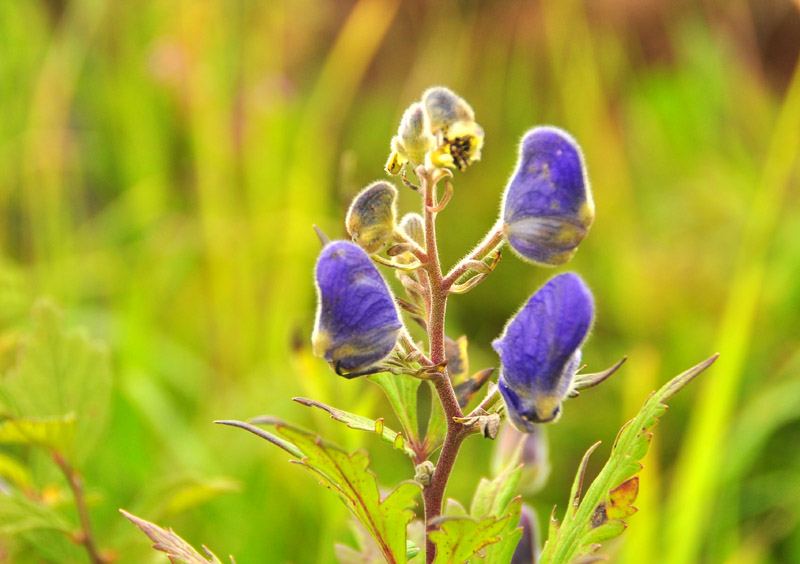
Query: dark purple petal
point(547, 205)
point(540, 350)
point(357, 322)
point(527, 551)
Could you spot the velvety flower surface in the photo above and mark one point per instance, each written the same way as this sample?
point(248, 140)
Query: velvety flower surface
point(371, 218)
point(547, 205)
point(540, 350)
point(357, 322)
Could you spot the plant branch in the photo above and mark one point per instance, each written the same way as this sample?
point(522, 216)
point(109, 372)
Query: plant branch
point(76, 485)
point(489, 243)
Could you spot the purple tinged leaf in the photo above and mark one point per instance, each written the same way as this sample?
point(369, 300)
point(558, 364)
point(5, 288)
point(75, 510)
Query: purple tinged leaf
point(357, 322)
point(540, 350)
point(547, 206)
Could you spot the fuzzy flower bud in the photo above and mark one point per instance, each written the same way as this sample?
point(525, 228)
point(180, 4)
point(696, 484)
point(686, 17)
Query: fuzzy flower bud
point(370, 220)
point(547, 206)
point(357, 322)
point(540, 350)
point(452, 120)
point(413, 226)
point(413, 140)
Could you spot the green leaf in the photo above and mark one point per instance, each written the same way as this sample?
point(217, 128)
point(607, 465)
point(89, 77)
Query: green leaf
point(401, 391)
point(60, 373)
point(53, 433)
point(18, 515)
point(362, 424)
point(437, 424)
point(168, 542)
point(496, 497)
point(598, 516)
point(14, 472)
point(457, 539)
point(492, 497)
point(347, 476)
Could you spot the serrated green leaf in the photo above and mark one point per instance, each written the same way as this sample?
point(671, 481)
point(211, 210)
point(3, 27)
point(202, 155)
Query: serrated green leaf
point(502, 551)
point(401, 391)
point(349, 478)
point(53, 433)
point(18, 515)
point(59, 373)
point(361, 423)
point(496, 497)
point(492, 497)
point(168, 542)
point(589, 523)
point(457, 539)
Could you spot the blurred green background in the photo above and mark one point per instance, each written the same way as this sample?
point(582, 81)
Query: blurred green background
point(162, 162)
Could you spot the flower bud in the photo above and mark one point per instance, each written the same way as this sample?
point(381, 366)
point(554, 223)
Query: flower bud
point(413, 140)
point(413, 226)
point(357, 322)
point(547, 206)
point(529, 449)
point(370, 220)
point(527, 551)
point(540, 350)
point(445, 107)
point(452, 121)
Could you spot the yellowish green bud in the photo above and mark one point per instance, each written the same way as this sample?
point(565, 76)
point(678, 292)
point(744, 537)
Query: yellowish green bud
point(371, 218)
point(413, 226)
point(413, 140)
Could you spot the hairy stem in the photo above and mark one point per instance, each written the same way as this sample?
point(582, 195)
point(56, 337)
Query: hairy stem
point(76, 485)
point(437, 295)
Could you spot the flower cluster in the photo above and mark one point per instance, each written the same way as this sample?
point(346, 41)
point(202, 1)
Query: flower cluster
point(546, 211)
point(440, 131)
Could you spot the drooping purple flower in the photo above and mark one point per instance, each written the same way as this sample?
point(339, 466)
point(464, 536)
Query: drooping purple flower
point(547, 205)
point(527, 551)
point(540, 350)
point(357, 322)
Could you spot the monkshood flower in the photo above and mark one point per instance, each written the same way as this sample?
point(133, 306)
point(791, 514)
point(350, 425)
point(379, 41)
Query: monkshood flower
point(540, 350)
point(547, 206)
point(357, 322)
point(527, 551)
point(371, 218)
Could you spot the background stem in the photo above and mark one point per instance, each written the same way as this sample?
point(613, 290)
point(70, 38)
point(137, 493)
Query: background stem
point(76, 485)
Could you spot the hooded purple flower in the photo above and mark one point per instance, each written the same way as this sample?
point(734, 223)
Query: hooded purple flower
point(357, 322)
point(540, 350)
point(547, 205)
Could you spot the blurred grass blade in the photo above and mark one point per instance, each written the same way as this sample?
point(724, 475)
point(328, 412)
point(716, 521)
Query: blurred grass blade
point(701, 459)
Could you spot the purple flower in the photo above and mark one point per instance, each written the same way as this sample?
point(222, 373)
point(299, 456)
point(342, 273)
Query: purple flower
point(540, 350)
point(547, 205)
point(527, 551)
point(357, 322)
